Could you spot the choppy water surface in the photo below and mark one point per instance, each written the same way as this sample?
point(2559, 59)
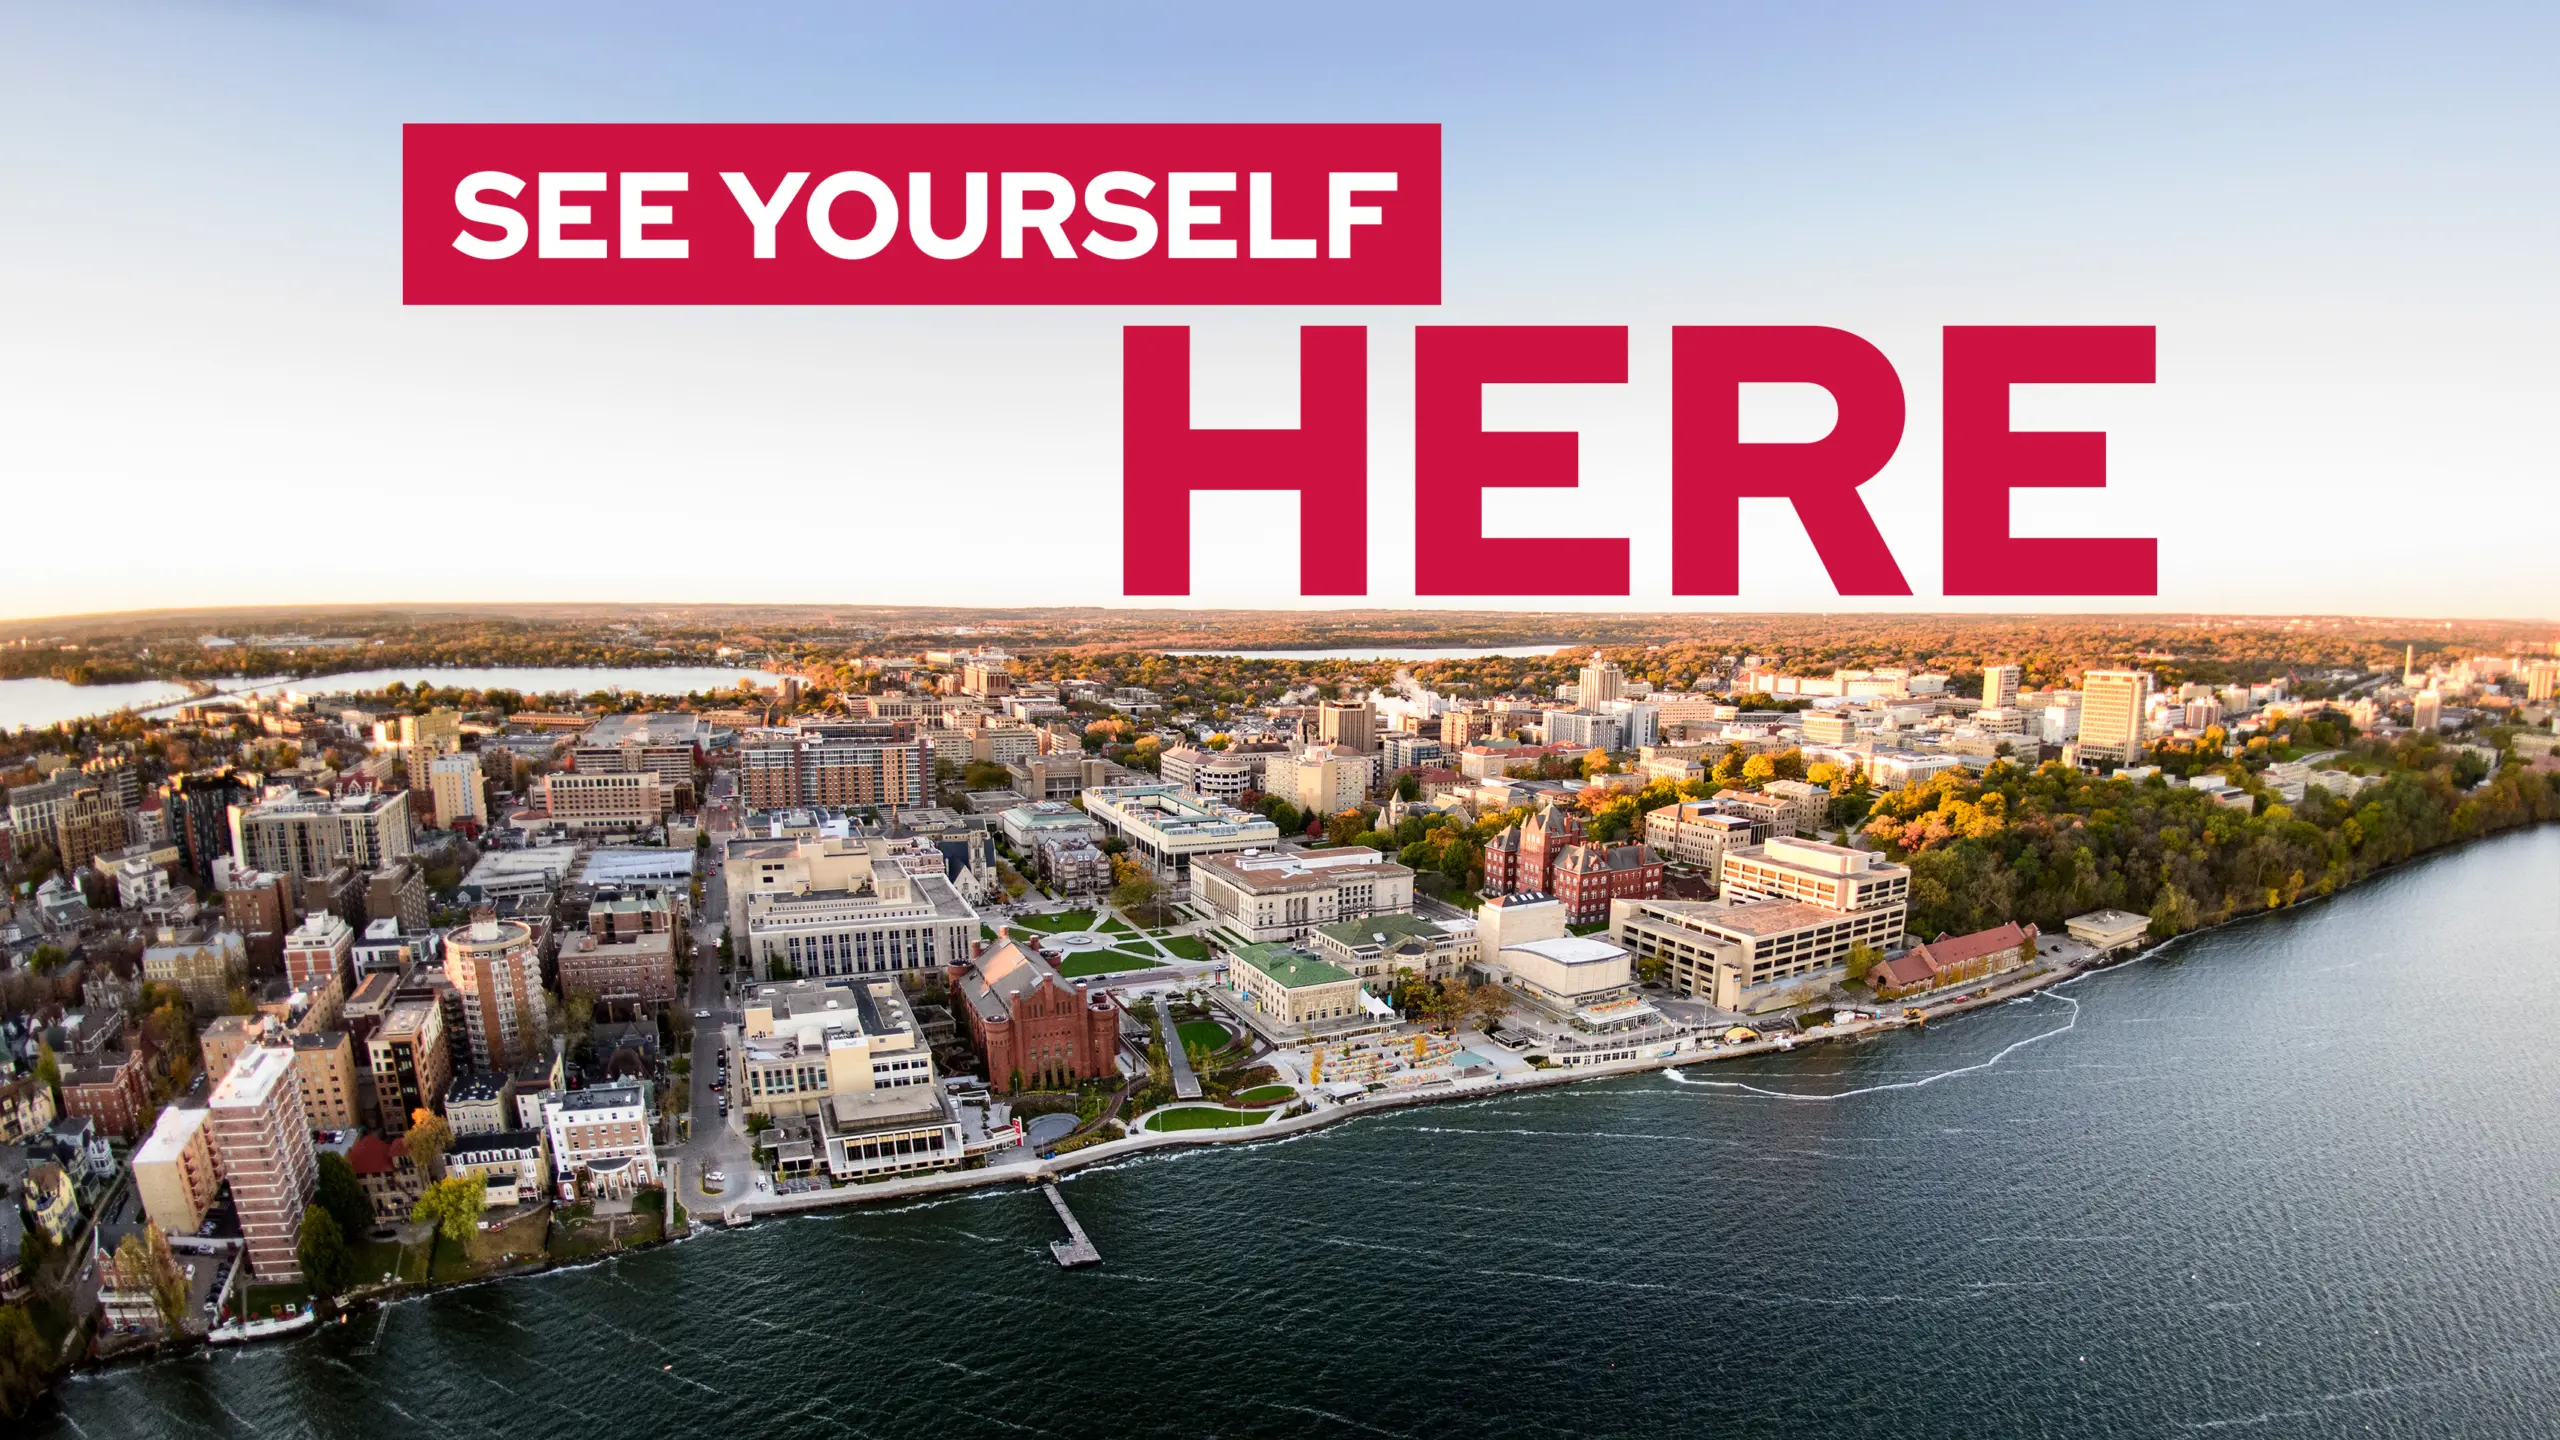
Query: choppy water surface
point(2293, 1178)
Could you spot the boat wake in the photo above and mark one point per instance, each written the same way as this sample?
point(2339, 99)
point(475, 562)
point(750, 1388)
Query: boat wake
point(1677, 1077)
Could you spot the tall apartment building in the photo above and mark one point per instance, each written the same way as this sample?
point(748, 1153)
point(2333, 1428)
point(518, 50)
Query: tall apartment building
point(459, 791)
point(640, 966)
point(1601, 680)
point(1321, 779)
point(89, 823)
point(1830, 727)
point(2112, 704)
point(262, 1141)
point(199, 811)
point(496, 966)
point(1349, 723)
point(312, 835)
point(175, 1172)
point(2426, 712)
point(1462, 728)
point(780, 769)
point(411, 1062)
point(316, 955)
point(1581, 729)
point(2000, 685)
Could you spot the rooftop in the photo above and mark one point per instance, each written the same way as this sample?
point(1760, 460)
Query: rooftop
point(1380, 929)
point(1291, 969)
point(656, 727)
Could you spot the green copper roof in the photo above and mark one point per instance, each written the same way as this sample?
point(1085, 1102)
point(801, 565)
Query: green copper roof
point(1291, 969)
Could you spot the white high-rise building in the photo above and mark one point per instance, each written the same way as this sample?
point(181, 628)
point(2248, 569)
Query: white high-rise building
point(2000, 685)
point(1601, 681)
point(2112, 703)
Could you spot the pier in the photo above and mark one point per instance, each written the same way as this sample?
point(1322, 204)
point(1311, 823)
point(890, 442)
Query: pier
point(1075, 1250)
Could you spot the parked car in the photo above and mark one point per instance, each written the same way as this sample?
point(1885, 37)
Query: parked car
point(714, 1177)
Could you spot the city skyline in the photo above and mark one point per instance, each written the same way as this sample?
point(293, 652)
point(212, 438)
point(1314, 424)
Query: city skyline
point(207, 276)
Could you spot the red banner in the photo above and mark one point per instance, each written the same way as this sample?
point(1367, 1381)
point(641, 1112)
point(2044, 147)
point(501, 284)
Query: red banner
point(921, 214)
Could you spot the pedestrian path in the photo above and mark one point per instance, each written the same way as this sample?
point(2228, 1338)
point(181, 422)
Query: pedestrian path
point(1186, 1086)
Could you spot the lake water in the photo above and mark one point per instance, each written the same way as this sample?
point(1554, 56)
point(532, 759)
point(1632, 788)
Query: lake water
point(2300, 1177)
point(49, 702)
point(1355, 652)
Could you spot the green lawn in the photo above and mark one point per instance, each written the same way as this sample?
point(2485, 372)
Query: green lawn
point(406, 1264)
point(1060, 923)
point(1189, 947)
point(1104, 962)
point(986, 932)
point(1115, 926)
point(1266, 1094)
point(1207, 1033)
point(262, 1301)
point(1202, 1117)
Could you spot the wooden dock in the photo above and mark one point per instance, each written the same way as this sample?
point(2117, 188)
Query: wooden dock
point(1075, 1250)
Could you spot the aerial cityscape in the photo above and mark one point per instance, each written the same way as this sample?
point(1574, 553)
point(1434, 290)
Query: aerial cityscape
point(327, 989)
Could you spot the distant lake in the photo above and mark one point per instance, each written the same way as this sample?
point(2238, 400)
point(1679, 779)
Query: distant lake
point(534, 679)
point(40, 703)
point(1354, 652)
point(50, 702)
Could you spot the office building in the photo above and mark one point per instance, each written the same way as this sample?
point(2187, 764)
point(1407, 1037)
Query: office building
point(1292, 990)
point(603, 803)
point(807, 1041)
point(1320, 779)
point(1462, 728)
point(262, 1141)
point(908, 917)
point(1277, 895)
point(2426, 712)
point(2112, 706)
point(638, 967)
point(1166, 830)
point(1835, 877)
point(1580, 729)
point(663, 743)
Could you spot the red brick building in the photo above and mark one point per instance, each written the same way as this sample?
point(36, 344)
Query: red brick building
point(1587, 877)
point(1523, 857)
point(1033, 1026)
point(110, 1094)
point(1952, 960)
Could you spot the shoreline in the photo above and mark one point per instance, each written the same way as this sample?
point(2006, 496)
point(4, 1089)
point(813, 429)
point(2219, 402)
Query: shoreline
point(1031, 1174)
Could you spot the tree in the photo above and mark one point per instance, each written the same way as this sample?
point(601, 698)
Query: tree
point(25, 1365)
point(428, 1138)
point(453, 1206)
point(1862, 958)
point(145, 1262)
point(48, 1067)
point(322, 1252)
point(342, 1195)
point(1132, 892)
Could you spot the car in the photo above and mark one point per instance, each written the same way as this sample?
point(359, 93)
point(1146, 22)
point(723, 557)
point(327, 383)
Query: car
point(714, 1177)
point(701, 1014)
point(763, 1184)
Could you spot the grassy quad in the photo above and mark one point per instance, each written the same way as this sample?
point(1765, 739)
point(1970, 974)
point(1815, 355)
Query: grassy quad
point(1104, 962)
point(1207, 1034)
point(1202, 1117)
point(1186, 947)
point(1058, 924)
point(1266, 1094)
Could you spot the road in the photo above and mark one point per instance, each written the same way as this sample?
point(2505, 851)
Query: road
point(714, 1144)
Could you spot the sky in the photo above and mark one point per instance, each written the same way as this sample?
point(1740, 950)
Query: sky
point(2341, 220)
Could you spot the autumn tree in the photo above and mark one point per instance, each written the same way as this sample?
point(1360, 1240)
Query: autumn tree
point(453, 1206)
point(428, 1138)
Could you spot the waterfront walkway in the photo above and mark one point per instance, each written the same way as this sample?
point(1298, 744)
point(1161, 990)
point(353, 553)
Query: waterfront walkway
point(1330, 1113)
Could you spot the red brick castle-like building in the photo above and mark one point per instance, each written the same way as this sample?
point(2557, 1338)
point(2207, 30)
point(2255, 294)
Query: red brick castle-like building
point(1033, 1026)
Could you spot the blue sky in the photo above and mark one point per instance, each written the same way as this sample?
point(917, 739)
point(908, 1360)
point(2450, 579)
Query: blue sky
point(2341, 220)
